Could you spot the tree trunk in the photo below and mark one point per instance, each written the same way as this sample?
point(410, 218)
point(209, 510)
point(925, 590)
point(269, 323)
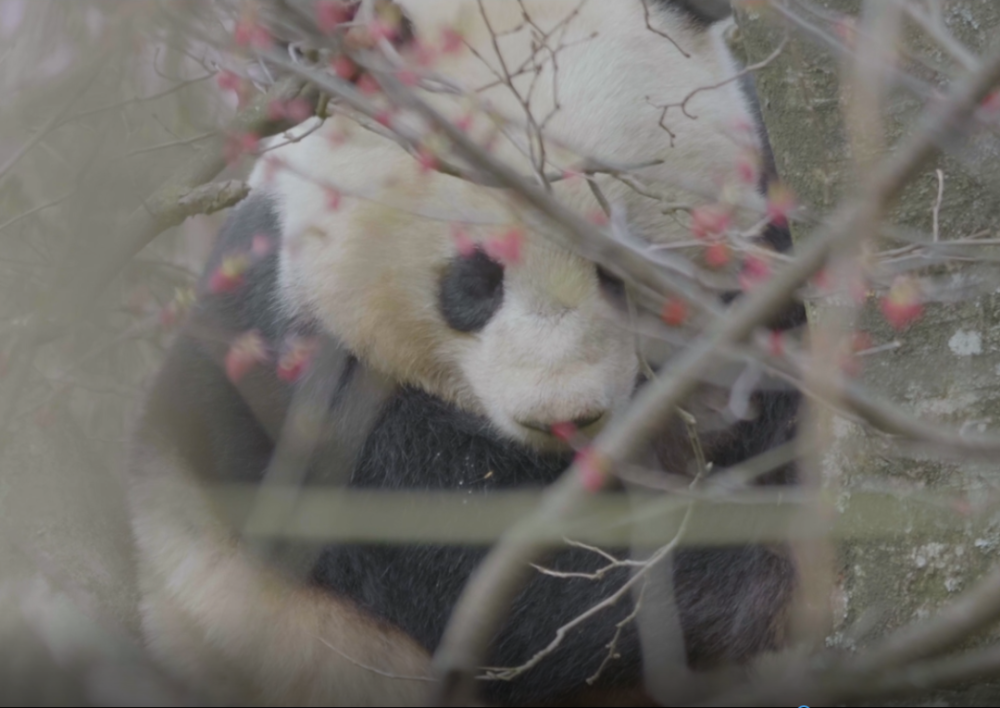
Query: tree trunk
point(946, 365)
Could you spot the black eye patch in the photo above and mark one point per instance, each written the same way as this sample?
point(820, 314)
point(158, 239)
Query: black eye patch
point(471, 291)
point(612, 285)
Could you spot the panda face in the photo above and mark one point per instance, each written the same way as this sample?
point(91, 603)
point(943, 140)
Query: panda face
point(545, 343)
point(544, 339)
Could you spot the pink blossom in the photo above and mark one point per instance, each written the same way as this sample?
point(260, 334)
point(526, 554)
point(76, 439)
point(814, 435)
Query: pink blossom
point(755, 270)
point(902, 305)
point(675, 312)
point(229, 81)
point(592, 468)
point(245, 352)
point(506, 248)
point(344, 67)
point(463, 242)
point(711, 220)
point(717, 255)
point(261, 246)
point(451, 41)
point(780, 203)
point(564, 431)
point(295, 359)
point(330, 14)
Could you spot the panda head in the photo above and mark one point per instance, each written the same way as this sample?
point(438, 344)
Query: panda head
point(543, 337)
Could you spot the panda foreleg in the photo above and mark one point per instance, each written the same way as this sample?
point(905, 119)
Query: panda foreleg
point(229, 627)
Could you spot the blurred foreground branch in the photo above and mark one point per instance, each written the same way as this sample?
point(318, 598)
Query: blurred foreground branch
point(494, 584)
point(186, 193)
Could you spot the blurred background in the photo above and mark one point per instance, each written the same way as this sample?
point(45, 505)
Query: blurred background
point(105, 101)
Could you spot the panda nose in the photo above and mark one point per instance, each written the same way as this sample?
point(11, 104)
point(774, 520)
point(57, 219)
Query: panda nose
point(579, 423)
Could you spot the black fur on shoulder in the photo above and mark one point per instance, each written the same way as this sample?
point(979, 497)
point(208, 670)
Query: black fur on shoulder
point(730, 600)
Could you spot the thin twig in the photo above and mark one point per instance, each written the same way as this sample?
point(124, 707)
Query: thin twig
point(735, 77)
point(372, 669)
point(81, 88)
point(612, 564)
point(509, 674)
point(172, 143)
point(915, 85)
point(135, 100)
point(941, 35)
point(937, 203)
point(35, 210)
point(649, 26)
point(613, 645)
point(81, 284)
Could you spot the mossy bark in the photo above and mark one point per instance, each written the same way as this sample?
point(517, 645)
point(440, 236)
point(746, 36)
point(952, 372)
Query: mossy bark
point(947, 364)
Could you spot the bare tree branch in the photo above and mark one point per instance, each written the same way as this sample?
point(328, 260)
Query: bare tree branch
point(83, 282)
point(502, 574)
point(682, 104)
point(212, 197)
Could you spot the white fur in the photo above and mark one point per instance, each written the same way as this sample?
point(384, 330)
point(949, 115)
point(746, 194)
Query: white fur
point(240, 633)
point(556, 350)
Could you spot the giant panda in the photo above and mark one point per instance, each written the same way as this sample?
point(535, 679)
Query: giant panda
point(438, 367)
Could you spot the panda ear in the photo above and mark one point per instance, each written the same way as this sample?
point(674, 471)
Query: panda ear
point(405, 32)
point(702, 12)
